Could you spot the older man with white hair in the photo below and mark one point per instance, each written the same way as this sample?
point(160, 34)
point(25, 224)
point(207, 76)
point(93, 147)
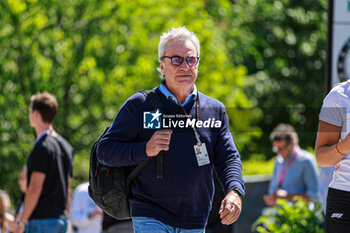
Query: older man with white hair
point(191, 132)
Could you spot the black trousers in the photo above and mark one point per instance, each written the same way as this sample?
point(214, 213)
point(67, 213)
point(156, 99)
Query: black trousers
point(338, 211)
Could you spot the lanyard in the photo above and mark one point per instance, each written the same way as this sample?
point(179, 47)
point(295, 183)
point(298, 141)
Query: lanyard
point(196, 134)
point(282, 174)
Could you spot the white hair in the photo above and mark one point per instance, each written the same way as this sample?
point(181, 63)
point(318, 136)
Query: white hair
point(180, 33)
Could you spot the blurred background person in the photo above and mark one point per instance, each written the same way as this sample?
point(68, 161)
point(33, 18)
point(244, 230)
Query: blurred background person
point(325, 177)
point(5, 211)
point(22, 182)
point(49, 171)
point(85, 215)
point(295, 171)
point(6, 201)
point(2, 215)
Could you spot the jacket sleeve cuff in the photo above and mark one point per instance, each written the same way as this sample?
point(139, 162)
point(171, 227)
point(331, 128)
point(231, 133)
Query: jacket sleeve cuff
point(139, 152)
point(237, 187)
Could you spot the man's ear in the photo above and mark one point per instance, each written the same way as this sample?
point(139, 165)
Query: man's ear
point(37, 114)
point(162, 67)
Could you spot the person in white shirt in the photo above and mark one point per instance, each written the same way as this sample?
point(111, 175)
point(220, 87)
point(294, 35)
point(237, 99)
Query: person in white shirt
point(85, 215)
point(333, 149)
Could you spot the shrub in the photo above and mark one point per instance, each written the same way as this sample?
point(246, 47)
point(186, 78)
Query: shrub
point(291, 217)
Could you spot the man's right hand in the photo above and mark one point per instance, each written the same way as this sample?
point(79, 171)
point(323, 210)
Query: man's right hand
point(270, 200)
point(159, 141)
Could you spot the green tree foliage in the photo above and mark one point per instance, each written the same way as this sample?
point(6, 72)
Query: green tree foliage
point(283, 45)
point(93, 55)
point(263, 59)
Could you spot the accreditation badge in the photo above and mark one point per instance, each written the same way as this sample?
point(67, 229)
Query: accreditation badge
point(201, 154)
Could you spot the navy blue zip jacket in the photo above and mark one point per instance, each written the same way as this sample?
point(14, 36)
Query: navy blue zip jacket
point(183, 198)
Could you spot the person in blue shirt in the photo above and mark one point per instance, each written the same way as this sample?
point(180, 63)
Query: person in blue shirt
point(194, 139)
point(295, 172)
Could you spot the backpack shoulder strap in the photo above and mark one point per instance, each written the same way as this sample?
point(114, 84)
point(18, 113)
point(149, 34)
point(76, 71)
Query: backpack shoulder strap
point(155, 102)
point(136, 171)
point(153, 99)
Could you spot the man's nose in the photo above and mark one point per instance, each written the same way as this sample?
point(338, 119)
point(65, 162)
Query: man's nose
point(184, 65)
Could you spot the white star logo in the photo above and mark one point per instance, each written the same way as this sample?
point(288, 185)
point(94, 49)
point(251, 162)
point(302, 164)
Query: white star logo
point(156, 115)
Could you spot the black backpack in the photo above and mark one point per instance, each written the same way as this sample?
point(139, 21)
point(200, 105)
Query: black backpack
point(109, 186)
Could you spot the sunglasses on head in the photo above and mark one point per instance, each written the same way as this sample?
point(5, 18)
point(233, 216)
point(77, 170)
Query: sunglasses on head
point(177, 60)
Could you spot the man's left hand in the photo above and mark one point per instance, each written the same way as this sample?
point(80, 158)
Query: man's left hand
point(230, 208)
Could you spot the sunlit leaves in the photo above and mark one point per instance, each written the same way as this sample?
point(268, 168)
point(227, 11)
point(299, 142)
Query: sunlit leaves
point(17, 6)
point(93, 55)
point(285, 40)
